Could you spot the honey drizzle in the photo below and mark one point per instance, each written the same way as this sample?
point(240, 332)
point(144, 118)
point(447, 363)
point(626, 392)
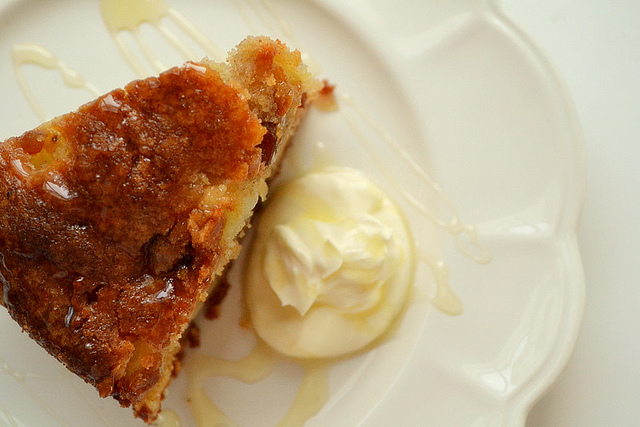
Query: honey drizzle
point(22, 54)
point(126, 15)
point(21, 378)
point(168, 418)
point(256, 366)
point(453, 225)
point(8, 420)
point(465, 236)
point(312, 394)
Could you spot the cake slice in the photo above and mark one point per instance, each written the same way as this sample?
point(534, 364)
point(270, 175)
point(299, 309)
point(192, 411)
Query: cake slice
point(116, 219)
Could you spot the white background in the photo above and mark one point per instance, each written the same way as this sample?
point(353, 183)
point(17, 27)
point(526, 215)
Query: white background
point(595, 45)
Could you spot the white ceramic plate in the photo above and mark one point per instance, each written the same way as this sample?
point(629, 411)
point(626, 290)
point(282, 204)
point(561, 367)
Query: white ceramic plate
point(468, 96)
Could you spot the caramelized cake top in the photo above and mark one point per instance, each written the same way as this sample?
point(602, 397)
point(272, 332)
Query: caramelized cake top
point(103, 228)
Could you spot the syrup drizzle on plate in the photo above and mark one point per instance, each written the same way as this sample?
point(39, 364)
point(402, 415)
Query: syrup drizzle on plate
point(22, 54)
point(259, 364)
point(126, 15)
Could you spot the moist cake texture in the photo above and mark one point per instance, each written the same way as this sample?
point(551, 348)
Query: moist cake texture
point(116, 219)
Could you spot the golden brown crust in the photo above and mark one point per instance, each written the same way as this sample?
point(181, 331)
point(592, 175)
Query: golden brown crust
point(108, 233)
point(130, 252)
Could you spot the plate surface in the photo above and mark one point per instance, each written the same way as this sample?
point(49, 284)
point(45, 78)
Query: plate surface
point(469, 97)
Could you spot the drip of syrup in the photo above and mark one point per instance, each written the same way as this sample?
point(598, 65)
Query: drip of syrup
point(7, 419)
point(128, 15)
point(168, 418)
point(22, 54)
point(267, 14)
point(259, 364)
point(471, 247)
point(8, 370)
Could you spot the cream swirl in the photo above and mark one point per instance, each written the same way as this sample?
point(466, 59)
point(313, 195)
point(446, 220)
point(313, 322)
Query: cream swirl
point(343, 263)
point(330, 267)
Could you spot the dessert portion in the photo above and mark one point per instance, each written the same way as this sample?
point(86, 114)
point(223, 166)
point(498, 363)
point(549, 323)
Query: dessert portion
point(330, 267)
point(116, 219)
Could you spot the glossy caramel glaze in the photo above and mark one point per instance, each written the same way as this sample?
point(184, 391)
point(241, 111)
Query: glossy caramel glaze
point(104, 243)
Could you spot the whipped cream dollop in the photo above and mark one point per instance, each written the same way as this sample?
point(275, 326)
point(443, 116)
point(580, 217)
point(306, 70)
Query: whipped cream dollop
point(330, 267)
